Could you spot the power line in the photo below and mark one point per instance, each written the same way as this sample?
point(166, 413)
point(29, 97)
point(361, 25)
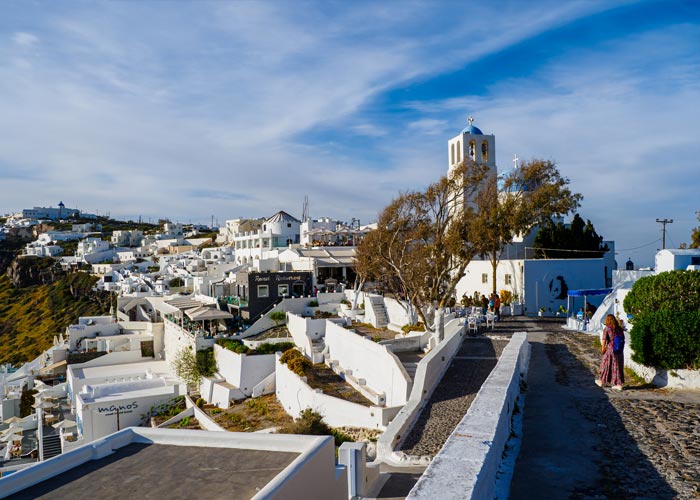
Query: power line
point(637, 248)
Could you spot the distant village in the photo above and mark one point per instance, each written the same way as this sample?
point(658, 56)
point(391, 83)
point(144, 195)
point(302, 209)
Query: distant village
point(208, 318)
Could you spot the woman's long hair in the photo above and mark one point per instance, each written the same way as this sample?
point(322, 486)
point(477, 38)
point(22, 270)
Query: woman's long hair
point(612, 322)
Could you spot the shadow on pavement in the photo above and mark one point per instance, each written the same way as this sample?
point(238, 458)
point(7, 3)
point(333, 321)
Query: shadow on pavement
point(575, 445)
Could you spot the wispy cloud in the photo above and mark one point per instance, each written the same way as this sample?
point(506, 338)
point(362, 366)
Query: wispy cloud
point(242, 108)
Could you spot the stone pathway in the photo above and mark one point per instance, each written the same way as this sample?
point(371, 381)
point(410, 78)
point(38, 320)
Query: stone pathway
point(582, 442)
point(453, 396)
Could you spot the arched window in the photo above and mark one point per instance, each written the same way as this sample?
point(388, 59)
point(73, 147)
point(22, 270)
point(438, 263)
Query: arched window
point(459, 151)
point(452, 154)
point(472, 150)
point(485, 151)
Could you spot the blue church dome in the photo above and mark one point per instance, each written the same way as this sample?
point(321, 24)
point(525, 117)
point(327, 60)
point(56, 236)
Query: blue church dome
point(471, 129)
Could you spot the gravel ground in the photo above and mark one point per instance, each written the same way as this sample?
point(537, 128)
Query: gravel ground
point(453, 396)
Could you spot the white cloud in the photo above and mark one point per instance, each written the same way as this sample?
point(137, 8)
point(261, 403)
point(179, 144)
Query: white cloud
point(25, 39)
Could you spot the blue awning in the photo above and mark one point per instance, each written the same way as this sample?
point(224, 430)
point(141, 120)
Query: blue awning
point(594, 291)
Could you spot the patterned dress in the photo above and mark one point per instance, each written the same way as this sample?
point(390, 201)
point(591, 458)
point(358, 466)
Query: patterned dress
point(612, 365)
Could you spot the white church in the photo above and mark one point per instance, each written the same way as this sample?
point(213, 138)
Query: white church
point(538, 283)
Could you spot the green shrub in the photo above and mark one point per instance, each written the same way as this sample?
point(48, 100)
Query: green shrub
point(270, 348)
point(206, 364)
point(677, 291)
point(238, 419)
point(420, 327)
point(176, 282)
point(278, 317)
point(200, 403)
point(667, 339)
point(296, 362)
point(258, 405)
point(233, 345)
point(313, 303)
point(311, 423)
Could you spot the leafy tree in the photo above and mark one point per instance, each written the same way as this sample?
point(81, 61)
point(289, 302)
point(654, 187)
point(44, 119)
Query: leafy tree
point(176, 282)
point(278, 317)
point(531, 194)
point(186, 367)
point(695, 235)
point(578, 236)
point(422, 243)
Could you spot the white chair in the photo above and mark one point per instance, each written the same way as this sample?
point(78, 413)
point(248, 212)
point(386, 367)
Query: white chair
point(490, 320)
point(472, 324)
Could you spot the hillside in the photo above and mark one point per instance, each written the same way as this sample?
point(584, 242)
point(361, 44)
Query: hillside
point(38, 301)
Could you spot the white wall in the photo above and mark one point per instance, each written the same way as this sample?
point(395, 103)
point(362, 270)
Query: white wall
point(295, 395)
point(304, 330)
point(242, 370)
point(398, 315)
point(95, 424)
point(370, 361)
point(473, 282)
point(429, 372)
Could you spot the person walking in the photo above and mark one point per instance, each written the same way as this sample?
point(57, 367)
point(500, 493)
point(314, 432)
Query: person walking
point(497, 306)
point(612, 365)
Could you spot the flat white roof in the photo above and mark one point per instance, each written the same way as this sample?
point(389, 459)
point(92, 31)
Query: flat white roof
point(158, 368)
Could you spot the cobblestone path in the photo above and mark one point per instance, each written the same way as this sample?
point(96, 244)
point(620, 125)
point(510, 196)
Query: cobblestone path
point(663, 425)
point(642, 443)
point(454, 395)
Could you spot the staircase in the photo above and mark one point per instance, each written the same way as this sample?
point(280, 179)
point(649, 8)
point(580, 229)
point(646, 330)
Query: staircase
point(52, 446)
point(380, 314)
point(411, 368)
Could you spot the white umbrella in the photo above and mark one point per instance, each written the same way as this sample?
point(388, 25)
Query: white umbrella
point(11, 437)
point(13, 428)
point(64, 424)
point(44, 405)
point(12, 420)
point(39, 384)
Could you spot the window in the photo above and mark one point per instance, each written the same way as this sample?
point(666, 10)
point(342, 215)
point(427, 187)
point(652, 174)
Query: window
point(263, 291)
point(485, 151)
point(472, 151)
point(509, 279)
point(289, 224)
point(459, 152)
point(484, 278)
point(283, 290)
point(452, 154)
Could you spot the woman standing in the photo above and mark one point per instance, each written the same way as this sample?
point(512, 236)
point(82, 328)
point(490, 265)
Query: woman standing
point(612, 365)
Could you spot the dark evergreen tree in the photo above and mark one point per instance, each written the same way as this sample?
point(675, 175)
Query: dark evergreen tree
point(577, 240)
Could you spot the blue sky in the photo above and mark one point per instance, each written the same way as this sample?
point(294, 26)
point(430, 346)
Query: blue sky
point(239, 109)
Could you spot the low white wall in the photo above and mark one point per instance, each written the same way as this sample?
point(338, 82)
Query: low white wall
point(676, 379)
point(298, 327)
point(293, 305)
point(241, 370)
point(411, 342)
point(466, 466)
point(254, 344)
point(375, 363)
point(397, 313)
point(429, 372)
point(205, 421)
point(295, 395)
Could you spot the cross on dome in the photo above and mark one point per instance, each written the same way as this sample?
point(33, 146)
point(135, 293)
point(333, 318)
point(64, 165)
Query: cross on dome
point(470, 119)
point(515, 160)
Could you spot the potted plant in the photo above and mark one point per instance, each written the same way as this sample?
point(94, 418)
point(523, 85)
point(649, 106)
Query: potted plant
point(506, 297)
point(540, 312)
point(516, 307)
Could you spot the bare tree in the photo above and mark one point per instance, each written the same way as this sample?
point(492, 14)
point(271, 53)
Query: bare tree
point(422, 242)
point(531, 194)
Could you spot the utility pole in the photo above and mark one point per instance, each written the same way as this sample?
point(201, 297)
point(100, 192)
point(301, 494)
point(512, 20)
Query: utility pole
point(663, 223)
